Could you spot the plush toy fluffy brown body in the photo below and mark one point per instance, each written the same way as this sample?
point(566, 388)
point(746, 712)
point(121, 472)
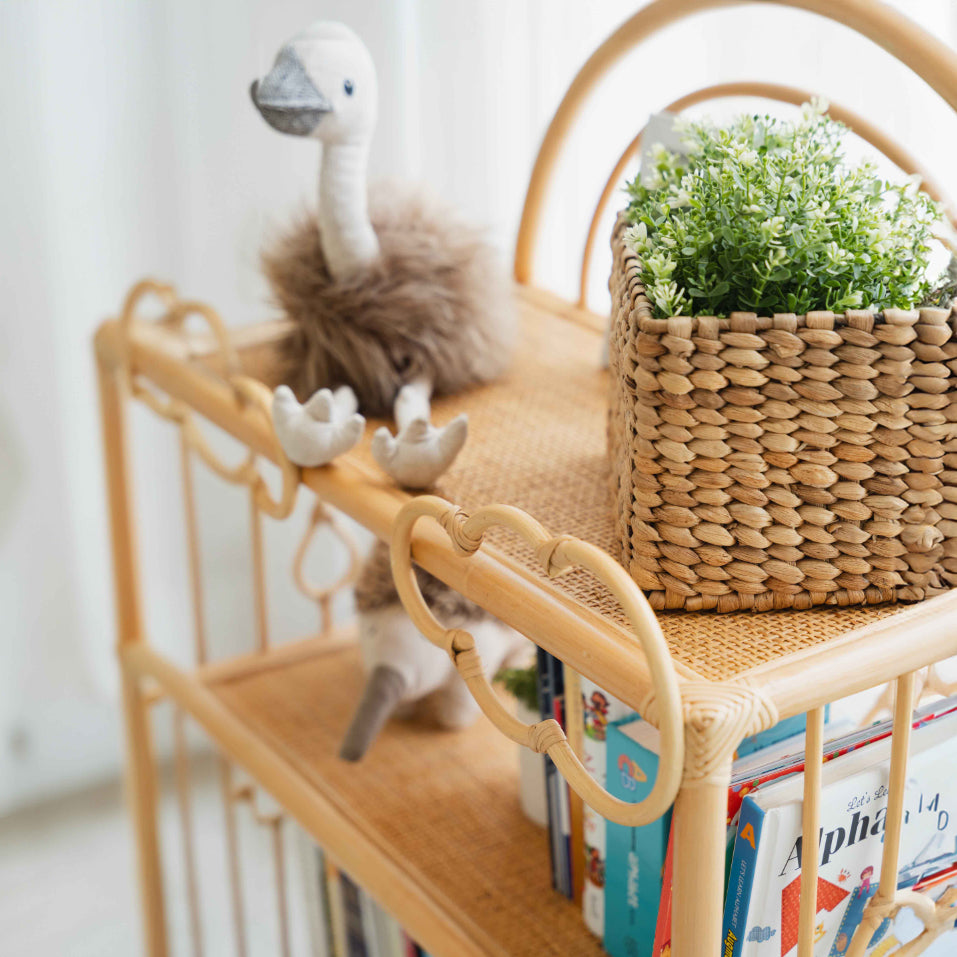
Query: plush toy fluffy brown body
point(433, 305)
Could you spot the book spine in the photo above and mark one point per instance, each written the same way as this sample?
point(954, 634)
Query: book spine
point(741, 878)
point(368, 912)
point(663, 927)
point(597, 708)
point(566, 885)
point(352, 910)
point(314, 893)
point(337, 917)
point(394, 936)
point(575, 732)
point(546, 703)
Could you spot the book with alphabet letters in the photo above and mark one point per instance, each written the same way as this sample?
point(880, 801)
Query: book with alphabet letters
point(761, 912)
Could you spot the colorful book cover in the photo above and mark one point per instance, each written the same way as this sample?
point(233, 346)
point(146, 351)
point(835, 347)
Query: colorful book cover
point(635, 855)
point(771, 755)
point(598, 709)
point(763, 896)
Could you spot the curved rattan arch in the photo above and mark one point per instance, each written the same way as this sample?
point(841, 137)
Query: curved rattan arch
point(930, 59)
point(557, 555)
point(769, 91)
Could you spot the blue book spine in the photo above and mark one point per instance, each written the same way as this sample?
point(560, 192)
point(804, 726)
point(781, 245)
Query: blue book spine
point(635, 855)
point(546, 703)
point(565, 884)
point(741, 878)
point(783, 729)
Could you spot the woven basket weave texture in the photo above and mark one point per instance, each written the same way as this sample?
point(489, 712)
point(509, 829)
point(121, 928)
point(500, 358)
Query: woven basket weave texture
point(783, 461)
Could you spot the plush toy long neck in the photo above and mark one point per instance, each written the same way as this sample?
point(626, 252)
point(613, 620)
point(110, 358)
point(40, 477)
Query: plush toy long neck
point(348, 240)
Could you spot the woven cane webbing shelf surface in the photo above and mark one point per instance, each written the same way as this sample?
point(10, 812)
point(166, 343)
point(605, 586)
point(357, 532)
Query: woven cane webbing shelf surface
point(537, 441)
point(444, 805)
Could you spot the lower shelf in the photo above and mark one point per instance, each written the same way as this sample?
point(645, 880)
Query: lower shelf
point(440, 807)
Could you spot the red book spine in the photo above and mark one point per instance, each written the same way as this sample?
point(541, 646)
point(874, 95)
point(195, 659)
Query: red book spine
point(662, 946)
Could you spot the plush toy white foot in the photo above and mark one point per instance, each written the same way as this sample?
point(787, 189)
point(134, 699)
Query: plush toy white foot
point(315, 433)
point(421, 452)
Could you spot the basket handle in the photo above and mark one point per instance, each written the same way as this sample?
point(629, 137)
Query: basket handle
point(927, 56)
point(557, 555)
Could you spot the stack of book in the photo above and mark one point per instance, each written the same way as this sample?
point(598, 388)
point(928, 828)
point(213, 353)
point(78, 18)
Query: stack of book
point(344, 921)
point(764, 851)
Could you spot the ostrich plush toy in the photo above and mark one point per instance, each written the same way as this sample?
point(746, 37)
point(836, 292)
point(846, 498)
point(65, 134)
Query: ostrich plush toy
point(392, 300)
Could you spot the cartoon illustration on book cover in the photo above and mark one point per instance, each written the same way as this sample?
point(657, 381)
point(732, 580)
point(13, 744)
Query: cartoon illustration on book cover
point(595, 710)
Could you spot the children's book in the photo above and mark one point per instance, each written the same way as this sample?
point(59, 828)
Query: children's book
point(764, 891)
point(748, 772)
point(635, 855)
point(598, 709)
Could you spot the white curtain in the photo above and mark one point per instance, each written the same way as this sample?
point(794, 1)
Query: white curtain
point(129, 148)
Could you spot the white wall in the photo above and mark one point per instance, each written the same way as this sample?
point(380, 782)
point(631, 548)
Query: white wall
point(128, 147)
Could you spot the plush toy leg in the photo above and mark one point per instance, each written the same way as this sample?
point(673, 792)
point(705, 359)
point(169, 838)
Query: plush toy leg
point(404, 668)
point(315, 433)
point(383, 692)
point(420, 452)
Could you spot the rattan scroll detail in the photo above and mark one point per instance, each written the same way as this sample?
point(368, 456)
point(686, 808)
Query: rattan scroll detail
point(322, 595)
point(782, 461)
point(717, 718)
point(250, 394)
point(557, 554)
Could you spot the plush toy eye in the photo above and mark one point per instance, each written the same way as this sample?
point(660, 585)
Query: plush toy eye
point(348, 87)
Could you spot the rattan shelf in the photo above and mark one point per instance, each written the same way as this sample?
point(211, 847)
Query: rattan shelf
point(523, 526)
point(470, 862)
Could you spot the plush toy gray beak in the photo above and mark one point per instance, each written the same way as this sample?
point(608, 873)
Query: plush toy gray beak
point(287, 98)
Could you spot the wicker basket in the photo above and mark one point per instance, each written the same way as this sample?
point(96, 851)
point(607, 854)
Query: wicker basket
point(786, 461)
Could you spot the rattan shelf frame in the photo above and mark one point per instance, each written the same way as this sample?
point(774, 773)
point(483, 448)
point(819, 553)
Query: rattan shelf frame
point(198, 374)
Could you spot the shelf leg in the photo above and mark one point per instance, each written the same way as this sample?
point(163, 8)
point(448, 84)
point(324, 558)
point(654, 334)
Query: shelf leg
point(140, 763)
point(700, 816)
point(141, 793)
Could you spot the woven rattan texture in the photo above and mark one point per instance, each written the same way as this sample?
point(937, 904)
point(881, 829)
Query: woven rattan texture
point(786, 461)
point(538, 441)
point(444, 803)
